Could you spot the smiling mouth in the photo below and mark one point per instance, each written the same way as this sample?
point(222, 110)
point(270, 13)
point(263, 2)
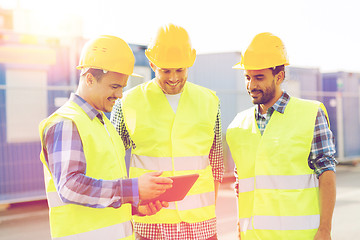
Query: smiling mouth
point(255, 93)
point(112, 100)
point(173, 84)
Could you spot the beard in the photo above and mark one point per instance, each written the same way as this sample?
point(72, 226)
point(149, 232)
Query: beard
point(264, 95)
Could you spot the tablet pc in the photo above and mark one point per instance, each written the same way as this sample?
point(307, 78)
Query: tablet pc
point(180, 187)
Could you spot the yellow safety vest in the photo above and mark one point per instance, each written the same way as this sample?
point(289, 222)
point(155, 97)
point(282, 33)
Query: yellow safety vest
point(104, 153)
point(177, 144)
point(278, 192)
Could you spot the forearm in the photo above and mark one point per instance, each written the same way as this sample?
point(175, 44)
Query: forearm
point(98, 193)
point(327, 191)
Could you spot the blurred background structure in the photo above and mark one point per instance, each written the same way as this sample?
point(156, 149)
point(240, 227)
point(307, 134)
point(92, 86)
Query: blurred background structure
point(37, 74)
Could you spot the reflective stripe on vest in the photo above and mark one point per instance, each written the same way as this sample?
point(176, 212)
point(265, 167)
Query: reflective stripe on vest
point(274, 173)
point(114, 232)
point(194, 201)
point(280, 222)
point(279, 182)
point(165, 163)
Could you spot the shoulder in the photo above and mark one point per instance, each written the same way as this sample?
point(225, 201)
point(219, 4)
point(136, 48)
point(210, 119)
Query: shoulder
point(247, 112)
point(59, 126)
point(141, 87)
point(200, 89)
point(242, 116)
point(306, 102)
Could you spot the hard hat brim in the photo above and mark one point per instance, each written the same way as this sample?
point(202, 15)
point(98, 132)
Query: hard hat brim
point(133, 74)
point(136, 75)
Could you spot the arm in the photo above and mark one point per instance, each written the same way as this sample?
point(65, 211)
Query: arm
point(67, 164)
point(236, 189)
point(322, 160)
point(327, 188)
point(216, 155)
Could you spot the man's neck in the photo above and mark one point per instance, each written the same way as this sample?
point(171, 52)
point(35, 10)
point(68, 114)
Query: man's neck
point(264, 107)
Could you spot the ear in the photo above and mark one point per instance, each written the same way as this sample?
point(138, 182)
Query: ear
point(280, 77)
point(89, 79)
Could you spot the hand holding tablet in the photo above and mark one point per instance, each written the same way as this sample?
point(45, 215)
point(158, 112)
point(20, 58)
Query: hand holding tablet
point(180, 187)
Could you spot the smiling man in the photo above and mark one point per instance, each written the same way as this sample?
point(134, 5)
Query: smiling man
point(88, 191)
point(284, 153)
point(174, 126)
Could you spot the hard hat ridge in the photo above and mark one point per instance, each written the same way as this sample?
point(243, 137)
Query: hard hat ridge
point(171, 48)
point(265, 51)
point(108, 53)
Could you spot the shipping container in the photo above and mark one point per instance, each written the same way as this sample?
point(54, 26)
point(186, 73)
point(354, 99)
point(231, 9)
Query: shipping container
point(23, 95)
point(341, 92)
point(303, 82)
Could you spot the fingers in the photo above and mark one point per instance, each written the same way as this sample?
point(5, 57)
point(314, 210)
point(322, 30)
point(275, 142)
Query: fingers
point(162, 180)
point(165, 204)
point(152, 207)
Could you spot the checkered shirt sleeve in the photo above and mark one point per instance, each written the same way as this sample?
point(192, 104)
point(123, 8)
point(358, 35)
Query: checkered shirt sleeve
point(66, 160)
point(117, 119)
point(216, 155)
point(64, 155)
point(322, 152)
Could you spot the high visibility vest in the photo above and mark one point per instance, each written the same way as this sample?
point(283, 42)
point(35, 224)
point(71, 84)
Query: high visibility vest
point(278, 192)
point(104, 153)
point(177, 144)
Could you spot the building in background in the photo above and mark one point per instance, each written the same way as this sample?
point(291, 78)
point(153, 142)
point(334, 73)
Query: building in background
point(37, 75)
point(341, 96)
point(339, 91)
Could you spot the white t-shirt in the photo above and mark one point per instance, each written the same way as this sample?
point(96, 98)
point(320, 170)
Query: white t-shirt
point(173, 100)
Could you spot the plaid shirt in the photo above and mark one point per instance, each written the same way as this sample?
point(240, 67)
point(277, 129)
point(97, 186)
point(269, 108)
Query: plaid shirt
point(321, 157)
point(181, 231)
point(65, 157)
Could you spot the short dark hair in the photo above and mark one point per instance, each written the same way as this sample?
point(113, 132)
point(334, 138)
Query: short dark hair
point(277, 69)
point(97, 73)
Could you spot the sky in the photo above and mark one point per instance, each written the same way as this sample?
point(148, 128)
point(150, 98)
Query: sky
point(322, 34)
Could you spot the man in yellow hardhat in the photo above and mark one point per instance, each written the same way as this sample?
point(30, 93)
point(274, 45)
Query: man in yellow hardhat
point(284, 153)
point(88, 192)
point(173, 126)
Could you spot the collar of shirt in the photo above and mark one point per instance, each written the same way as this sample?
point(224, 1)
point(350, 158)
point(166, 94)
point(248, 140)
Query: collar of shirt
point(279, 106)
point(88, 109)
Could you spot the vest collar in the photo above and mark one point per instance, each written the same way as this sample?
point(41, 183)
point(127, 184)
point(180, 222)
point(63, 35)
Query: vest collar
point(85, 106)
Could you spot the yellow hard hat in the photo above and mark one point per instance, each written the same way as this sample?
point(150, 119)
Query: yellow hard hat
point(171, 48)
point(265, 51)
point(108, 53)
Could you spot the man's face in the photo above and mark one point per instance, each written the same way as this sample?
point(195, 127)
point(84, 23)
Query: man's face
point(107, 90)
point(261, 85)
point(170, 80)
